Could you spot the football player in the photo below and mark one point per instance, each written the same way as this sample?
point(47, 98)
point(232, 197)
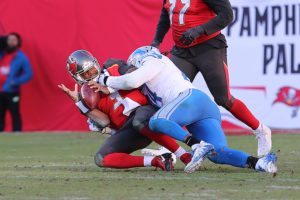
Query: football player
point(181, 104)
point(125, 111)
point(200, 47)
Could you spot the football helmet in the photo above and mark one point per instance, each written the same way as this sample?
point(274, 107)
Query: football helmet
point(135, 59)
point(83, 66)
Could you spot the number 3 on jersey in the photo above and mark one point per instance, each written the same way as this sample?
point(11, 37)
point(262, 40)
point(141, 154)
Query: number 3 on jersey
point(186, 5)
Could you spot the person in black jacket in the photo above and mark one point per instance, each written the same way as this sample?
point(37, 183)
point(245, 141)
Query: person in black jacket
point(201, 47)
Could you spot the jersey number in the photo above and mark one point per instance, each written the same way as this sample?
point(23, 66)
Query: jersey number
point(186, 4)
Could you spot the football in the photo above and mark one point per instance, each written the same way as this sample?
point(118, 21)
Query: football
point(89, 97)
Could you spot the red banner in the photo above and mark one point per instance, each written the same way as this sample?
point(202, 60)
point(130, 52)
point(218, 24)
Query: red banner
point(51, 30)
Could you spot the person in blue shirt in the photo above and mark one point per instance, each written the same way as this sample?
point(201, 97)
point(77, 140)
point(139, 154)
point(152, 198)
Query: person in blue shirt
point(15, 70)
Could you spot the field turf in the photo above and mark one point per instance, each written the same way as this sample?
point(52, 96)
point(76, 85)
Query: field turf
point(61, 166)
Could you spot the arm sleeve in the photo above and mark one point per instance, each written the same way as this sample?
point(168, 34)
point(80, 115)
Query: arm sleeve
point(26, 74)
point(163, 25)
point(136, 78)
point(224, 16)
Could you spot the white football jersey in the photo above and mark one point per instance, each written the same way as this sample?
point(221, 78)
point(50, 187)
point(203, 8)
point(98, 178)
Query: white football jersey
point(167, 84)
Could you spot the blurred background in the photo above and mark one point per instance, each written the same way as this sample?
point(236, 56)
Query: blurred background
point(263, 54)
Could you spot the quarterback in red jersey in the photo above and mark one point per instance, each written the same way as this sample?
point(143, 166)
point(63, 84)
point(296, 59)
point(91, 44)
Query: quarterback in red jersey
point(125, 111)
point(200, 47)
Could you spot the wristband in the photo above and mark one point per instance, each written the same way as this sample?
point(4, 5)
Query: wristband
point(83, 108)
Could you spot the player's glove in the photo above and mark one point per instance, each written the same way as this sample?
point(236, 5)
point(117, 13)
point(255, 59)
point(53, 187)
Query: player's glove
point(103, 79)
point(191, 34)
point(155, 43)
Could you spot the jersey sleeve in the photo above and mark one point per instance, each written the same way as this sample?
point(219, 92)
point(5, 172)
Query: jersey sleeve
point(137, 78)
point(163, 25)
point(224, 15)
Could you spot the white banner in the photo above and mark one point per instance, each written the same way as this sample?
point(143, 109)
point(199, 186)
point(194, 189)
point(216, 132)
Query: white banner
point(264, 60)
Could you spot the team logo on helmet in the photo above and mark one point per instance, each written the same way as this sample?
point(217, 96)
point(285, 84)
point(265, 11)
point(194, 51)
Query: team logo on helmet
point(136, 58)
point(289, 96)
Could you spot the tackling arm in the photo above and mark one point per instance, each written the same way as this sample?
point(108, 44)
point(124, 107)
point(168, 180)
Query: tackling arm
point(136, 78)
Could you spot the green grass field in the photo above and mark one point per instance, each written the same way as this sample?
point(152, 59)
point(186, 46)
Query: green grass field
point(60, 166)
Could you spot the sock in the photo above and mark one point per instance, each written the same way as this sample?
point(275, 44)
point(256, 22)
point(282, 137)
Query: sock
point(259, 128)
point(122, 161)
point(241, 112)
point(184, 156)
point(148, 161)
point(161, 139)
point(190, 140)
point(251, 162)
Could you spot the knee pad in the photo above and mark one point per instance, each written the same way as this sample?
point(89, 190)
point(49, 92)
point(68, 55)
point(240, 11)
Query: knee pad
point(225, 101)
point(98, 158)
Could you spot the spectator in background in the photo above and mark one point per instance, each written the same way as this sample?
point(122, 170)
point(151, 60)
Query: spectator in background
point(15, 70)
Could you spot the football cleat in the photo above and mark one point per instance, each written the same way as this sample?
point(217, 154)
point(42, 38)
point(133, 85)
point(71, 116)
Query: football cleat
point(268, 163)
point(164, 162)
point(200, 152)
point(263, 136)
point(157, 152)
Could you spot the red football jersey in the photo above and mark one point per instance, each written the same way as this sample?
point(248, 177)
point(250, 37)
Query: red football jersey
point(185, 14)
point(120, 104)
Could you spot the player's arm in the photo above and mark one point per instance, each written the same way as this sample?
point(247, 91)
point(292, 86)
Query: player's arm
point(162, 27)
point(100, 118)
point(96, 115)
point(223, 18)
point(136, 78)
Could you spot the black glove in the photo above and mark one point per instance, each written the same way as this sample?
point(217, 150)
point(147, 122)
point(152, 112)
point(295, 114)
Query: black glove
point(191, 34)
point(155, 43)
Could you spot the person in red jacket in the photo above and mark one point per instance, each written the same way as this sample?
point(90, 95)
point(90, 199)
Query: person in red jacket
point(127, 112)
point(200, 47)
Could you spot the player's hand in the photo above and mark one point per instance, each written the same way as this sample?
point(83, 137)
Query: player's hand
point(74, 95)
point(190, 35)
point(98, 88)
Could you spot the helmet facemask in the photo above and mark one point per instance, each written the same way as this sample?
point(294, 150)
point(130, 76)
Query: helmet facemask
point(83, 67)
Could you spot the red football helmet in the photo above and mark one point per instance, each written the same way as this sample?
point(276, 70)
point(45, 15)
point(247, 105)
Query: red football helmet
point(83, 66)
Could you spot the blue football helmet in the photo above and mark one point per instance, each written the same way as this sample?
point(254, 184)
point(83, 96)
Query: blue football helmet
point(136, 58)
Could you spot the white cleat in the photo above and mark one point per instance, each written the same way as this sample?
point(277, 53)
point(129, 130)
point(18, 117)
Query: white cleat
point(264, 140)
point(158, 152)
point(268, 163)
point(200, 152)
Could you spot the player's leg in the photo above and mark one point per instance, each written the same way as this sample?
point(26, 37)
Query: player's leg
point(210, 130)
point(182, 111)
point(212, 63)
point(115, 152)
point(3, 108)
point(186, 67)
point(14, 108)
point(140, 122)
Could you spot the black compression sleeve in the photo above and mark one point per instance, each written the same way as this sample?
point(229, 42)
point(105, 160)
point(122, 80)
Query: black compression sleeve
point(163, 25)
point(224, 13)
